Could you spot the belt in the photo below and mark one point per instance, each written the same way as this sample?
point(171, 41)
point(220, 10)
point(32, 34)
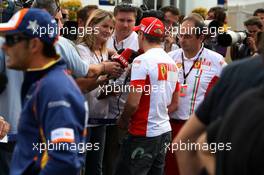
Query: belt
point(98, 121)
point(177, 121)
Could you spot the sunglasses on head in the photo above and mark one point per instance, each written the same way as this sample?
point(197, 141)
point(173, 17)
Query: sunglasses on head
point(11, 40)
point(57, 2)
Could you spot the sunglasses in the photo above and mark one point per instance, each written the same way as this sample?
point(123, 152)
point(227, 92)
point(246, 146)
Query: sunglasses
point(11, 40)
point(57, 2)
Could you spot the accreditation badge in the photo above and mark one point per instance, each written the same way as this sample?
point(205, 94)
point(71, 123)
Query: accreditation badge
point(183, 90)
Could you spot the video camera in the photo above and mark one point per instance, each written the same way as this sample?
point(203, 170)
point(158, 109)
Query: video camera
point(212, 24)
point(230, 37)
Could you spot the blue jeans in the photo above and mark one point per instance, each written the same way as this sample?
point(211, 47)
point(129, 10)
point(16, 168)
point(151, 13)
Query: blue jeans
point(143, 155)
point(94, 158)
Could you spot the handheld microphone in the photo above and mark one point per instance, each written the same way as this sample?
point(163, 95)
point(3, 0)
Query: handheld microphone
point(126, 57)
point(123, 58)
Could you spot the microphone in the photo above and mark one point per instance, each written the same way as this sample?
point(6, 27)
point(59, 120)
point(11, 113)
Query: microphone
point(126, 57)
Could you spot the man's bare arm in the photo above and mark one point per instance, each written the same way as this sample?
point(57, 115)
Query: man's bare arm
point(206, 158)
point(93, 80)
point(174, 102)
point(188, 160)
point(130, 108)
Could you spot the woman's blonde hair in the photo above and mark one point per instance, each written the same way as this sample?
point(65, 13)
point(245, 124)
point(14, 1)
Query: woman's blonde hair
point(96, 17)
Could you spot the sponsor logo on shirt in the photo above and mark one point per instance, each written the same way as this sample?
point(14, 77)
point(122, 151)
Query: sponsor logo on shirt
point(167, 72)
point(206, 62)
point(197, 65)
point(62, 135)
point(136, 63)
point(179, 65)
point(206, 65)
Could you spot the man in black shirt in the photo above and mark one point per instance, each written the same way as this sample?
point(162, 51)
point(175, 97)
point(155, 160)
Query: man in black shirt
point(241, 128)
point(235, 79)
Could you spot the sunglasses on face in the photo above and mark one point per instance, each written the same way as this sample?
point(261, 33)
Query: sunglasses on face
point(11, 40)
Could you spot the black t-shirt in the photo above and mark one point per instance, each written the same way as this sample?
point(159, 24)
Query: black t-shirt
point(241, 128)
point(235, 79)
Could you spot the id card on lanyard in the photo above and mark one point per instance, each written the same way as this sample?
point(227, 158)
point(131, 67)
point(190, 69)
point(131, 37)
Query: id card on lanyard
point(183, 90)
point(184, 86)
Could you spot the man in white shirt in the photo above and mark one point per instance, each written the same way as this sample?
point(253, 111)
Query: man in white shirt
point(199, 69)
point(124, 37)
point(153, 94)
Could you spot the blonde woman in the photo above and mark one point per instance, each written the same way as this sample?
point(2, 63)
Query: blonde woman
point(92, 47)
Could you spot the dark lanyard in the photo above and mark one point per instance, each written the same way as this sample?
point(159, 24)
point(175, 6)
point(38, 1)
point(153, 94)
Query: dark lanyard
point(115, 45)
point(183, 67)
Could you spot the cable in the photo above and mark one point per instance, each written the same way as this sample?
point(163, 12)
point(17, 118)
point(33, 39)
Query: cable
point(121, 93)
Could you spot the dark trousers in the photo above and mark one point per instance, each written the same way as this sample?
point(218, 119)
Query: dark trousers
point(171, 165)
point(113, 141)
point(143, 155)
point(94, 158)
point(6, 151)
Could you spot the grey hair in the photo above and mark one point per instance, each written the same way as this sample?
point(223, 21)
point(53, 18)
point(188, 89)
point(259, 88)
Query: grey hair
point(49, 5)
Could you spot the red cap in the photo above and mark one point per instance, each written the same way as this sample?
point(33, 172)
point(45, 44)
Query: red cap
point(152, 26)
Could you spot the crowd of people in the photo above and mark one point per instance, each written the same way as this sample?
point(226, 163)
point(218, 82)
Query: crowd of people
point(128, 92)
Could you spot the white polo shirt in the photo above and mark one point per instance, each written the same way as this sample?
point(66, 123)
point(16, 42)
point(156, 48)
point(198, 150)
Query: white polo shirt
point(201, 78)
point(130, 42)
point(116, 103)
point(156, 74)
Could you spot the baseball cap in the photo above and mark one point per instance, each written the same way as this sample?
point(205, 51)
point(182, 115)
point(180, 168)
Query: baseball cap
point(152, 26)
point(32, 23)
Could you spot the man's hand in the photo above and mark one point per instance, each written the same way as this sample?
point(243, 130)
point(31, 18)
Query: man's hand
point(122, 123)
point(112, 68)
point(252, 44)
point(4, 127)
point(168, 41)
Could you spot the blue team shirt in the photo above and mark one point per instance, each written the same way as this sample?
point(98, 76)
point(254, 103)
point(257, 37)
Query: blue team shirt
point(52, 105)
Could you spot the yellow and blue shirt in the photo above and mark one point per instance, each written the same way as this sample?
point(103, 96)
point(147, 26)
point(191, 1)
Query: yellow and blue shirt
point(53, 113)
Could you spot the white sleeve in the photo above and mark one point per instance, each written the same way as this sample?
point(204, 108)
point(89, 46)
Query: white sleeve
point(71, 57)
point(221, 65)
point(139, 70)
point(84, 53)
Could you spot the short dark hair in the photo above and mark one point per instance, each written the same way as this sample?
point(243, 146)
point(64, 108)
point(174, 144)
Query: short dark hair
point(172, 9)
point(84, 12)
point(254, 21)
point(198, 24)
point(126, 7)
point(49, 50)
point(260, 10)
point(52, 6)
point(219, 14)
point(153, 39)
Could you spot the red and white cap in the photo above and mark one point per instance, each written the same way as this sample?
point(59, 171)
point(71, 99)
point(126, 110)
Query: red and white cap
point(152, 26)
